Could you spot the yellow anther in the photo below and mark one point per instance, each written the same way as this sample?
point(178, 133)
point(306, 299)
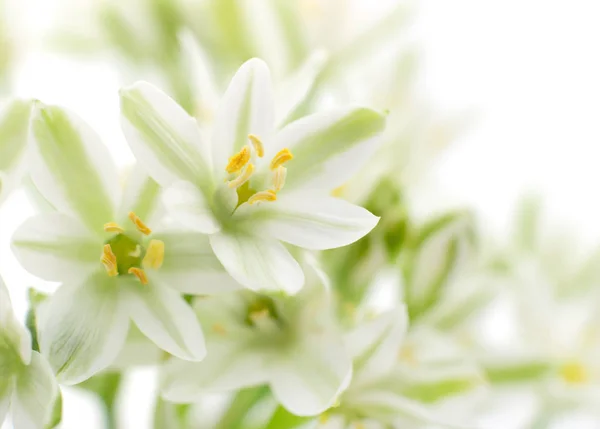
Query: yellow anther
point(141, 226)
point(279, 176)
point(109, 260)
point(155, 255)
point(257, 144)
point(283, 156)
point(237, 161)
point(262, 196)
point(574, 373)
point(219, 329)
point(242, 178)
point(140, 274)
point(113, 227)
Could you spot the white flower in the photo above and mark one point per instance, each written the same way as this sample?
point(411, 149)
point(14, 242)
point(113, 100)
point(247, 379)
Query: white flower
point(255, 187)
point(388, 381)
point(27, 386)
point(14, 124)
point(290, 343)
point(113, 266)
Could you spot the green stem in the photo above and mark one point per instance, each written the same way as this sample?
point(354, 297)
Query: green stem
point(108, 395)
point(240, 406)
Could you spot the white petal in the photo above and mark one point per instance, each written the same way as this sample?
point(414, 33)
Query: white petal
point(83, 327)
point(14, 335)
point(310, 379)
point(165, 318)
point(141, 196)
point(228, 366)
point(56, 247)
point(14, 127)
point(74, 171)
point(6, 391)
point(236, 358)
point(310, 220)
point(36, 391)
point(190, 265)
point(205, 91)
point(375, 345)
point(247, 108)
point(163, 137)
point(328, 148)
point(188, 206)
point(295, 89)
point(257, 263)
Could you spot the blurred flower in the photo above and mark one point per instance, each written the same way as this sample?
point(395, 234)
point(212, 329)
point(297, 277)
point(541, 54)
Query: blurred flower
point(255, 186)
point(27, 385)
point(112, 264)
point(14, 125)
point(290, 343)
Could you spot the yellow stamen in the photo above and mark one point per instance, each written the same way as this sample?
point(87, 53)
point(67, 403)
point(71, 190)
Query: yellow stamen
point(574, 373)
point(262, 196)
point(113, 227)
point(237, 161)
point(155, 255)
point(279, 176)
point(242, 178)
point(283, 156)
point(141, 226)
point(109, 260)
point(257, 144)
point(140, 274)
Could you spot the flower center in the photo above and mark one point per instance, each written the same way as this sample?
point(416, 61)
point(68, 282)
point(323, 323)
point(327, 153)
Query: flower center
point(241, 168)
point(123, 254)
point(574, 373)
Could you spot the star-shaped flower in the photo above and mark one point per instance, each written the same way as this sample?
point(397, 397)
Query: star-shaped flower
point(114, 266)
point(255, 187)
point(290, 343)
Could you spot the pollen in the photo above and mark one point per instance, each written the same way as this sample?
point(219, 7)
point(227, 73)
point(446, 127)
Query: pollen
point(242, 178)
point(237, 161)
point(113, 227)
point(279, 176)
point(141, 226)
point(109, 260)
point(263, 196)
point(283, 156)
point(257, 144)
point(155, 255)
point(140, 274)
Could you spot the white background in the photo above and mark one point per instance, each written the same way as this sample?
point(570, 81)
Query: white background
point(529, 71)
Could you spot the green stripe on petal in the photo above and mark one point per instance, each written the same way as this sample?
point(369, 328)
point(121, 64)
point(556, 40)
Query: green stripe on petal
point(163, 137)
point(56, 247)
point(77, 175)
point(328, 148)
